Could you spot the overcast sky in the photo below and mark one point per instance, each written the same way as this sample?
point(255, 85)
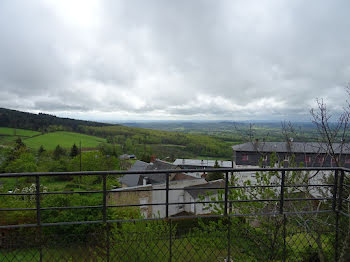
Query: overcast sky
point(175, 59)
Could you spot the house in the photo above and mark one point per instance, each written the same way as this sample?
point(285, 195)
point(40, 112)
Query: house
point(187, 190)
point(132, 180)
point(311, 154)
point(193, 194)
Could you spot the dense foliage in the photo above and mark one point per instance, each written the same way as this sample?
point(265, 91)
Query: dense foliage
point(161, 143)
point(40, 122)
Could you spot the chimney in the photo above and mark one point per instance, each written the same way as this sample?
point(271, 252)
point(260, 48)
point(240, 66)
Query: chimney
point(144, 182)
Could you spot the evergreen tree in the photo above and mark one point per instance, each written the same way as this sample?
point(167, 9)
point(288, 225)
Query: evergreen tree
point(41, 150)
point(215, 175)
point(74, 151)
point(19, 144)
point(58, 152)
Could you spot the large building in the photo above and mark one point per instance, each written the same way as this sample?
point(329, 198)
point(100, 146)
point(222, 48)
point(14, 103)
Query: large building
point(311, 154)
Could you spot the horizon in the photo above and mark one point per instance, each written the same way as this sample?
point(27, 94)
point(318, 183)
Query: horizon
point(125, 121)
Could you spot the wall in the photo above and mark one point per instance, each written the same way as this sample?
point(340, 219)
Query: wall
point(159, 196)
point(254, 158)
point(123, 196)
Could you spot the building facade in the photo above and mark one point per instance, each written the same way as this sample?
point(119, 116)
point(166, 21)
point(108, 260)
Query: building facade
point(310, 154)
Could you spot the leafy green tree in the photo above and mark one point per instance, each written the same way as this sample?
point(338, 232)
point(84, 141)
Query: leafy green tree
point(110, 149)
point(92, 161)
point(24, 163)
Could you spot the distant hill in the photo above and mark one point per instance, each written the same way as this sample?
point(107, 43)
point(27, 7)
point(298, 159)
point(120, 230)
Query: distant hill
point(41, 121)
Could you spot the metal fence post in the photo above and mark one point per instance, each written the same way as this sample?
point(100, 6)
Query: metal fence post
point(334, 208)
point(335, 191)
point(340, 195)
point(284, 237)
point(282, 192)
point(338, 191)
point(38, 214)
point(167, 215)
point(227, 218)
point(282, 213)
point(104, 213)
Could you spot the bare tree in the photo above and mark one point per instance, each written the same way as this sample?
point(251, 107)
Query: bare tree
point(332, 134)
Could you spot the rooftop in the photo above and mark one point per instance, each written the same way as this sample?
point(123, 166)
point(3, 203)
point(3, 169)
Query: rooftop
point(201, 162)
point(296, 147)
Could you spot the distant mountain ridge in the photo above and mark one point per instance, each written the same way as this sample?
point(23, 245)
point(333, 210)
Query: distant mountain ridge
point(41, 121)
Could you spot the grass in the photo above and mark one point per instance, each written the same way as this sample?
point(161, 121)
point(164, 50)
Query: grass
point(7, 131)
point(65, 139)
point(5, 140)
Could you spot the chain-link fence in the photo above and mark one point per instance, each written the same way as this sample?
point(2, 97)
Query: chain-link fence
point(277, 218)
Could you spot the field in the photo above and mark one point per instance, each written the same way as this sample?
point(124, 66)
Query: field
point(9, 135)
point(65, 139)
point(6, 131)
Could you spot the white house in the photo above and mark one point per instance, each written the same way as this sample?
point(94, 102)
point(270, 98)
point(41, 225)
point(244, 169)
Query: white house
point(180, 193)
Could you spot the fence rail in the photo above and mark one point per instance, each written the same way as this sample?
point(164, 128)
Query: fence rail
point(283, 219)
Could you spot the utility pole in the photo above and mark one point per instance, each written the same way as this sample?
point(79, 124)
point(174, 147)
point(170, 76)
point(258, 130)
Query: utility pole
point(80, 153)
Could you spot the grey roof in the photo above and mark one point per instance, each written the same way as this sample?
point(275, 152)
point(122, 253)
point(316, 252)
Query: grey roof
point(201, 162)
point(133, 179)
point(139, 166)
point(296, 147)
point(158, 165)
point(211, 184)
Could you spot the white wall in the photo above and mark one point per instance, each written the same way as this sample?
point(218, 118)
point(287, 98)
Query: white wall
point(159, 196)
point(199, 209)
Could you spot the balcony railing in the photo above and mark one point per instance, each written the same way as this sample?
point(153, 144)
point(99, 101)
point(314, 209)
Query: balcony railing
point(282, 214)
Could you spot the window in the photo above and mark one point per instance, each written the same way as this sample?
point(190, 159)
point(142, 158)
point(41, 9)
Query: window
point(285, 158)
point(307, 159)
point(264, 158)
point(244, 157)
point(347, 160)
point(320, 160)
point(334, 160)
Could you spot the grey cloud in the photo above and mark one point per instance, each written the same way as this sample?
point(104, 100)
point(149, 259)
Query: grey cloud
point(269, 59)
